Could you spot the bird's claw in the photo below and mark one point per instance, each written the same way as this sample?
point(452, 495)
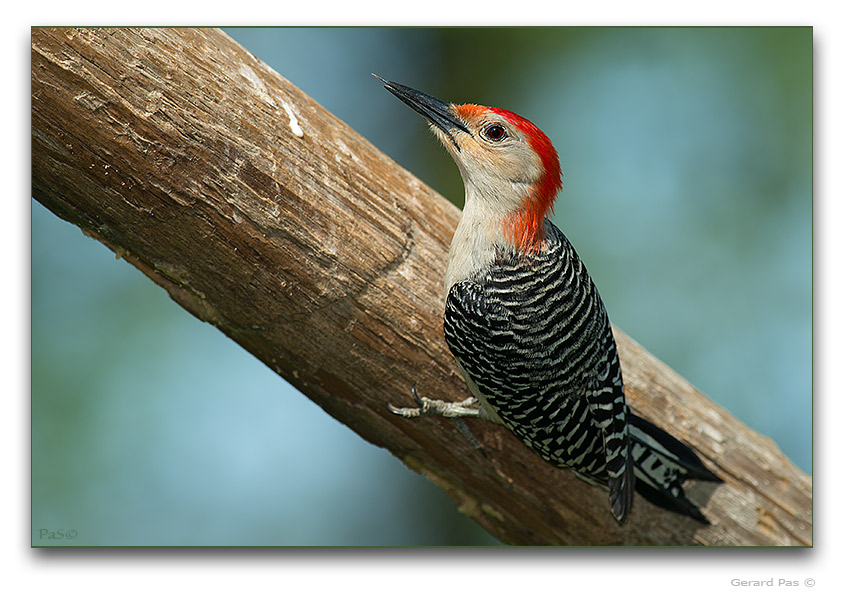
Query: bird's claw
point(416, 396)
point(423, 409)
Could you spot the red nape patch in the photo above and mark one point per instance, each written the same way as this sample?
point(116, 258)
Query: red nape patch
point(525, 225)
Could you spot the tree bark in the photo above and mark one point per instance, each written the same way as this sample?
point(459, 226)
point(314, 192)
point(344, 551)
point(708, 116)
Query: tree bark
point(263, 214)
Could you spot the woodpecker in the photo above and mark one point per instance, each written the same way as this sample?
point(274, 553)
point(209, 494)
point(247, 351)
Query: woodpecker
point(526, 325)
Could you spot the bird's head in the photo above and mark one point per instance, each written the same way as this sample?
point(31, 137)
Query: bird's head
point(508, 165)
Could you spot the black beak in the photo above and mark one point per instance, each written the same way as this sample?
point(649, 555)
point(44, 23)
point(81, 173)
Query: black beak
point(436, 111)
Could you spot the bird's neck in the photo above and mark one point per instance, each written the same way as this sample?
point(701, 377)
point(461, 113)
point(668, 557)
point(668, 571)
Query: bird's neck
point(486, 229)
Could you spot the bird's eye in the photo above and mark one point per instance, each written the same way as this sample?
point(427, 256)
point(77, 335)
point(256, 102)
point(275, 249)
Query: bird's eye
point(495, 132)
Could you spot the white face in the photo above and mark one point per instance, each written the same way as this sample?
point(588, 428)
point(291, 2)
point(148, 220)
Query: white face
point(495, 159)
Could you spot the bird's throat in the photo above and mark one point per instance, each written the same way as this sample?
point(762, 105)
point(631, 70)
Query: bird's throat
point(480, 239)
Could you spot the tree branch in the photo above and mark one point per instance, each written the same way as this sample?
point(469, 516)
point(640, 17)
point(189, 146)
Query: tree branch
point(263, 214)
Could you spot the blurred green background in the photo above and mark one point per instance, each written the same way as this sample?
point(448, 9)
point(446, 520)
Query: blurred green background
point(687, 160)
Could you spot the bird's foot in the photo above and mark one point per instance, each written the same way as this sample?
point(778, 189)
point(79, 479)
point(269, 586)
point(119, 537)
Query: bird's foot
point(437, 408)
point(454, 411)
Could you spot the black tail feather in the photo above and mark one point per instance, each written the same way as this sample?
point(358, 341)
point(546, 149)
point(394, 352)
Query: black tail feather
point(662, 464)
point(686, 457)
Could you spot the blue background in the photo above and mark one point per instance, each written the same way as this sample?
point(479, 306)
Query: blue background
point(687, 161)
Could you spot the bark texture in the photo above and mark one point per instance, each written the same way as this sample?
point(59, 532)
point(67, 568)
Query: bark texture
point(264, 215)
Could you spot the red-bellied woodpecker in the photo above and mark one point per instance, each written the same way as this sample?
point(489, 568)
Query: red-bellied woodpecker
point(526, 324)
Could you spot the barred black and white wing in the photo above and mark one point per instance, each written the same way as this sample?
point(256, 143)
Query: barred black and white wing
point(532, 334)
